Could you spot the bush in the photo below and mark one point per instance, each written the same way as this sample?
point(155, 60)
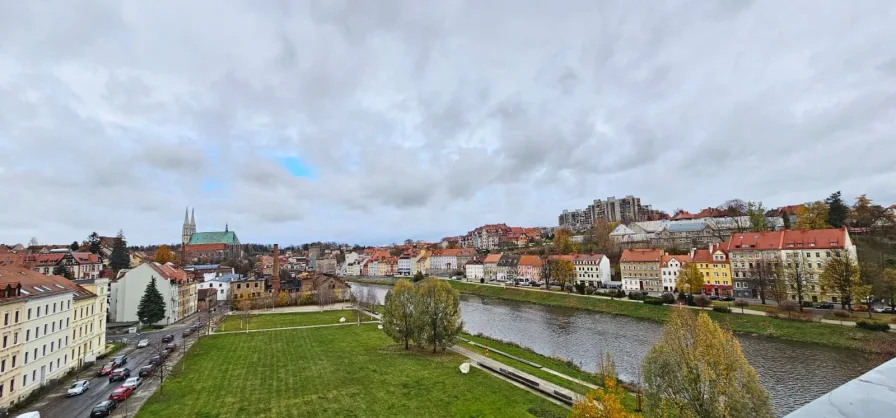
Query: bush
point(702, 300)
point(740, 303)
point(668, 298)
point(590, 290)
point(650, 300)
point(580, 288)
point(723, 309)
point(841, 314)
point(620, 293)
point(635, 296)
point(872, 325)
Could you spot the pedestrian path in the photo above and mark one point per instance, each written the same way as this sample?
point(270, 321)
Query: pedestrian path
point(298, 327)
point(550, 391)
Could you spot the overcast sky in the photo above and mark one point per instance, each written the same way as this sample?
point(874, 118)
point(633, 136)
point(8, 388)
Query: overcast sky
point(377, 121)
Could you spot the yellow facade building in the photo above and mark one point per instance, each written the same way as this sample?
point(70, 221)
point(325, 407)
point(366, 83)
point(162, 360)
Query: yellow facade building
point(715, 265)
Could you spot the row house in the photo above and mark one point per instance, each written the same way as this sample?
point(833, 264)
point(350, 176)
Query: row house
point(474, 270)
point(640, 270)
point(50, 326)
point(506, 267)
point(244, 288)
point(219, 284)
point(325, 265)
point(179, 292)
point(713, 263)
point(780, 253)
point(670, 269)
point(530, 267)
point(490, 266)
point(683, 233)
point(450, 259)
point(422, 264)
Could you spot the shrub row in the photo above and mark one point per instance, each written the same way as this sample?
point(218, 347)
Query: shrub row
point(723, 309)
point(650, 300)
point(872, 325)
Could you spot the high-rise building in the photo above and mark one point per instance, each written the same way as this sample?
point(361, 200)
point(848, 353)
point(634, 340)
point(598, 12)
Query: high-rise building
point(622, 210)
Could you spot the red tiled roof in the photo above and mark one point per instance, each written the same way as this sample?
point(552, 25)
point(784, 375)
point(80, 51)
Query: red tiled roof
point(702, 256)
point(529, 260)
point(682, 259)
point(683, 215)
point(641, 255)
point(492, 258)
point(779, 240)
point(169, 272)
point(208, 247)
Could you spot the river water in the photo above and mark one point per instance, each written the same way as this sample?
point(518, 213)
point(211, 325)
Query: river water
point(793, 373)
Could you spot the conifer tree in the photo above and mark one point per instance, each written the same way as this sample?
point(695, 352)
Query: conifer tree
point(152, 305)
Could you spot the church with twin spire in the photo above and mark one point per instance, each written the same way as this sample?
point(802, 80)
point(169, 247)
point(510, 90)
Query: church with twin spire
point(208, 246)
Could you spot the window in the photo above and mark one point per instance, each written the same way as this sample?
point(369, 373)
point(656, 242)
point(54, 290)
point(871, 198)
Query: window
point(27, 335)
point(69, 305)
point(6, 319)
point(45, 329)
point(17, 316)
point(15, 338)
point(2, 366)
point(66, 322)
point(26, 358)
point(29, 313)
point(5, 340)
point(24, 380)
point(52, 346)
point(53, 329)
point(54, 307)
point(38, 311)
point(45, 350)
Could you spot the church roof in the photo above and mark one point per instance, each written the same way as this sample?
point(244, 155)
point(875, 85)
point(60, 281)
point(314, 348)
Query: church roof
point(220, 237)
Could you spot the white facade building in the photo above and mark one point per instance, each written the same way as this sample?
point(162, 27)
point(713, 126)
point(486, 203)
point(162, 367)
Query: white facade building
point(130, 287)
point(405, 266)
point(592, 269)
point(221, 284)
point(670, 269)
point(474, 270)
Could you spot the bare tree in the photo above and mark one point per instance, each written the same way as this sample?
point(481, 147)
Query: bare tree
point(163, 369)
point(796, 276)
point(763, 274)
point(245, 307)
point(324, 295)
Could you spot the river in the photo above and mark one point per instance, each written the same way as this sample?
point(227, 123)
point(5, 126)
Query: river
point(793, 373)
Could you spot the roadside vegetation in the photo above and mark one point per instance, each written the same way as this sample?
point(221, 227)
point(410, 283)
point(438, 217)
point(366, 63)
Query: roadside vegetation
point(239, 322)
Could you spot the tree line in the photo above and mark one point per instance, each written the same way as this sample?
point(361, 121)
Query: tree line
point(423, 314)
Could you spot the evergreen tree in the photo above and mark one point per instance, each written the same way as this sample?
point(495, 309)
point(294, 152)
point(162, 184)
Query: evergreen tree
point(152, 305)
point(62, 271)
point(838, 212)
point(93, 243)
point(74, 246)
point(418, 276)
point(120, 258)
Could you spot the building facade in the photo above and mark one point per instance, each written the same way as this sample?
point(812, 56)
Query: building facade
point(474, 270)
point(130, 286)
point(12, 309)
point(490, 266)
point(670, 270)
point(713, 263)
point(208, 245)
point(640, 270)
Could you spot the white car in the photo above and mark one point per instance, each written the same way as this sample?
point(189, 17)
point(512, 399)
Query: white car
point(143, 343)
point(78, 387)
point(132, 382)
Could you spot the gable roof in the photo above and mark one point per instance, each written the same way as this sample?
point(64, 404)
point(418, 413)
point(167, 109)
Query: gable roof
point(219, 237)
point(833, 238)
point(641, 255)
point(529, 260)
point(37, 285)
point(492, 258)
point(681, 259)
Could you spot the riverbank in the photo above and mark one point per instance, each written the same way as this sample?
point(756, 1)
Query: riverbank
point(803, 331)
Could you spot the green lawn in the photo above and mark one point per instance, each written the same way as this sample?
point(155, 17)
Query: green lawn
point(351, 371)
point(811, 332)
point(283, 320)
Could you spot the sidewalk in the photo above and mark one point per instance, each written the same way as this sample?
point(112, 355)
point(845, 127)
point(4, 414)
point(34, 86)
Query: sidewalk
point(297, 309)
point(541, 387)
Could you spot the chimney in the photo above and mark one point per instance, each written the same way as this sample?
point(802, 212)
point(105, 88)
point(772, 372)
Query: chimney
point(275, 272)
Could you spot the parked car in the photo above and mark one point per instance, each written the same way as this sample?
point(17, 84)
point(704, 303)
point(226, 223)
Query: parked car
point(171, 347)
point(825, 305)
point(121, 393)
point(119, 360)
point(713, 297)
point(886, 309)
point(143, 343)
point(186, 333)
point(155, 360)
point(133, 382)
point(119, 374)
point(104, 408)
point(78, 387)
point(106, 369)
point(727, 298)
point(146, 370)
point(168, 338)
point(533, 283)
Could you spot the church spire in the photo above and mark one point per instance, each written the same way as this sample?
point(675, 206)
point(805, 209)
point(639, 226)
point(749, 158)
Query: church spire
point(186, 218)
point(193, 218)
point(226, 228)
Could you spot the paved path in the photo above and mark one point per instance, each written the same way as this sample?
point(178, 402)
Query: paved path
point(297, 309)
point(479, 360)
point(299, 327)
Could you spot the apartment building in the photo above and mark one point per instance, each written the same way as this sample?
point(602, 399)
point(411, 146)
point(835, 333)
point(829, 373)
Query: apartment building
point(12, 308)
point(530, 267)
point(247, 288)
point(777, 254)
point(670, 269)
point(474, 270)
point(713, 263)
point(131, 285)
point(490, 266)
point(89, 320)
point(640, 269)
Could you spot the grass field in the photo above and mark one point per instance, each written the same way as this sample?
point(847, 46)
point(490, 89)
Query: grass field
point(811, 332)
point(284, 320)
point(351, 371)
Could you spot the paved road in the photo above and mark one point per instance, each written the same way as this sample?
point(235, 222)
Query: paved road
point(57, 405)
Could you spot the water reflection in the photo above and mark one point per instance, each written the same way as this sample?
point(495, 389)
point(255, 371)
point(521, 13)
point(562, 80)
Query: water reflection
point(793, 373)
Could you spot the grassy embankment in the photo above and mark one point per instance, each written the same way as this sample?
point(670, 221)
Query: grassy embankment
point(332, 372)
point(284, 320)
point(555, 364)
point(804, 331)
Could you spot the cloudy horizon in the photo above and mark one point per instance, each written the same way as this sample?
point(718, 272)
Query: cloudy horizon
point(373, 122)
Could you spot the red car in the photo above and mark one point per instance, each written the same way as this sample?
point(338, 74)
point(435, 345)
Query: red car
point(106, 369)
point(121, 393)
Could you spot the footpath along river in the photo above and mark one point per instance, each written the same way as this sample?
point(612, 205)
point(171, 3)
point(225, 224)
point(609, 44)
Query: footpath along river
point(793, 373)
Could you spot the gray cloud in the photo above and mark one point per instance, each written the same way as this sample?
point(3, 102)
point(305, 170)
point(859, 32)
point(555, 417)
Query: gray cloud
point(420, 120)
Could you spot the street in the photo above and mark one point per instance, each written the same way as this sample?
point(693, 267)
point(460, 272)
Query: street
point(57, 405)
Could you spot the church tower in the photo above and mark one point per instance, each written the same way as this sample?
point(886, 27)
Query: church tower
point(189, 226)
